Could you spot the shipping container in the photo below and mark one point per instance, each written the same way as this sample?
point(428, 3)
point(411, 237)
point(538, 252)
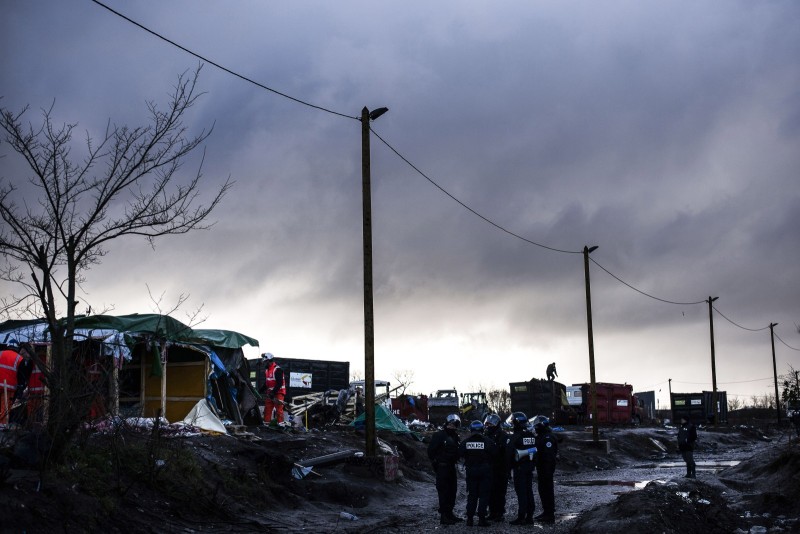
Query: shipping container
point(647, 402)
point(540, 397)
point(616, 404)
point(305, 376)
point(697, 407)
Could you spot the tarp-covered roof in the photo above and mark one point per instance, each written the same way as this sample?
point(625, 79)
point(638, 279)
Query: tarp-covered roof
point(162, 326)
point(148, 323)
point(222, 338)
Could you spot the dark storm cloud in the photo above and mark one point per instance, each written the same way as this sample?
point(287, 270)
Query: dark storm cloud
point(665, 133)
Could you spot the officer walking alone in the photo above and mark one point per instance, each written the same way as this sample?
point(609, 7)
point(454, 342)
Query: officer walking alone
point(443, 453)
point(687, 435)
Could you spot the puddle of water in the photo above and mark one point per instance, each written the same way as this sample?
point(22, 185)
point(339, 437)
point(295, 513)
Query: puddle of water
point(637, 484)
point(703, 466)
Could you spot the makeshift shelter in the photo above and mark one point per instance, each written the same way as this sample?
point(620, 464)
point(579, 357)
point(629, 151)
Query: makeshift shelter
point(160, 365)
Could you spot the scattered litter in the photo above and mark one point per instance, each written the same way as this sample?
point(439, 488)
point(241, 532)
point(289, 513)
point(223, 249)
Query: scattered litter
point(347, 515)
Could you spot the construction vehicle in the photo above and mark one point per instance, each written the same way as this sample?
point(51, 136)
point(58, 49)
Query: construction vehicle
point(441, 404)
point(473, 406)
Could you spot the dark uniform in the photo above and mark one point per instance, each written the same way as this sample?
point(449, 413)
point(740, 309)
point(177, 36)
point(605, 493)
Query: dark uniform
point(546, 457)
point(478, 451)
point(500, 473)
point(443, 453)
point(687, 435)
point(522, 470)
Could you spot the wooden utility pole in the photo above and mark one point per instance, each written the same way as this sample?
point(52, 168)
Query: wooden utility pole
point(593, 388)
point(713, 360)
point(369, 324)
point(775, 370)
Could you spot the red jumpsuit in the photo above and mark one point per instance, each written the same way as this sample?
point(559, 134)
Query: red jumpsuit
point(276, 402)
point(9, 360)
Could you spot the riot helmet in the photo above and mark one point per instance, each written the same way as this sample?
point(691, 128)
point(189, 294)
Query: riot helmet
point(492, 420)
point(476, 426)
point(453, 419)
point(518, 420)
point(540, 422)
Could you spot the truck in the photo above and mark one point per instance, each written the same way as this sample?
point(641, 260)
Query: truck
point(473, 406)
point(616, 404)
point(540, 397)
point(441, 404)
point(410, 407)
point(697, 407)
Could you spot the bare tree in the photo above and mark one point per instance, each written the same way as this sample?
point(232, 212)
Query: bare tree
point(499, 401)
point(127, 185)
point(404, 379)
point(734, 403)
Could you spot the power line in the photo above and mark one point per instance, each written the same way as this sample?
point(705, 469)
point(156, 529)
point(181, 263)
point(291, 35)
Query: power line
point(245, 78)
point(738, 325)
point(618, 279)
point(782, 341)
point(443, 190)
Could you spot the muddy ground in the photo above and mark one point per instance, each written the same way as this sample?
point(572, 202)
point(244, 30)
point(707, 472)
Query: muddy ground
point(192, 482)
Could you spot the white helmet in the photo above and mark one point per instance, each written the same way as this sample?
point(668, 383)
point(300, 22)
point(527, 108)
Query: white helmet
point(267, 356)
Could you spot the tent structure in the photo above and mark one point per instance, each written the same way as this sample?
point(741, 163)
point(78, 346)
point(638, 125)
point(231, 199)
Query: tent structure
point(160, 365)
point(384, 420)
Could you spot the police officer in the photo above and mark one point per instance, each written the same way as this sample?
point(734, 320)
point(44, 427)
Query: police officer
point(500, 467)
point(546, 457)
point(443, 453)
point(477, 451)
point(522, 467)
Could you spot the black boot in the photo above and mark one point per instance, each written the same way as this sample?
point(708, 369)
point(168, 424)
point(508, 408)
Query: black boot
point(444, 520)
point(528, 520)
point(454, 517)
point(483, 522)
point(469, 521)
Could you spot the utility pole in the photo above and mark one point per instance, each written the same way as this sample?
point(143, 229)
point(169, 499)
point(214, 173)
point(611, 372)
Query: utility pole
point(369, 320)
point(713, 359)
point(775, 370)
point(593, 388)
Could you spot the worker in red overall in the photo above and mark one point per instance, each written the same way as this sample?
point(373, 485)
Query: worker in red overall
point(9, 360)
point(275, 386)
point(36, 388)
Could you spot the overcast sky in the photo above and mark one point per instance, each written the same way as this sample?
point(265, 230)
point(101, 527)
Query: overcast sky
point(666, 133)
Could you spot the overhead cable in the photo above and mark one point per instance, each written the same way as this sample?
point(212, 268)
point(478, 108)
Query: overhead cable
point(443, 190)
point(245, 78)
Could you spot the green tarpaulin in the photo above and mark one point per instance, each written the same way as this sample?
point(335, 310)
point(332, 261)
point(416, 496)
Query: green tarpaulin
point(384, 420)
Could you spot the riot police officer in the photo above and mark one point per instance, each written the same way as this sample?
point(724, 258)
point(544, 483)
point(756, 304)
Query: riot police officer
point(546, 457)
point(477, 451)
point(500, 467)
point(443, 453)
point(522, 467)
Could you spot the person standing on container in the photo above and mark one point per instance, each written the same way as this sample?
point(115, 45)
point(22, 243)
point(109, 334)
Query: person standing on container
point(522, 467)
point(500, 467)
point(687, 435)
point(551, 372)
point(443, 454)
point(275, 385)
